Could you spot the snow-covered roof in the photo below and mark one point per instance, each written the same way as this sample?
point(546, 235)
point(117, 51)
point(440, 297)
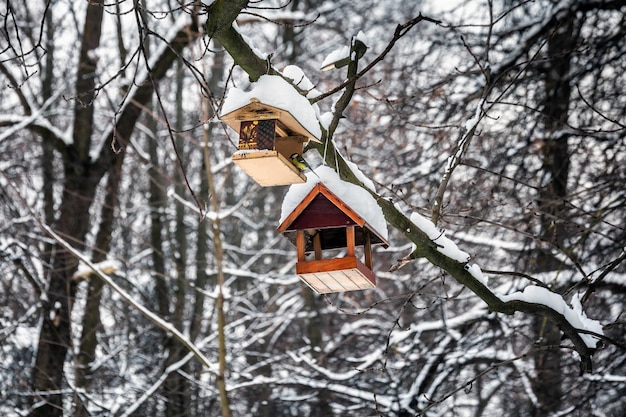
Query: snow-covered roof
point(300, 80)
point(274, 91)
point(352, 195)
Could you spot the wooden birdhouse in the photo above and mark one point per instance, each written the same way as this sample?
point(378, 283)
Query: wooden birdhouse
point(268, 136)
point(322, 222)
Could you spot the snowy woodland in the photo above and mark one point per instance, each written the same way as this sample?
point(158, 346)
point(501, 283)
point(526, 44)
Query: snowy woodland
point(141, 271)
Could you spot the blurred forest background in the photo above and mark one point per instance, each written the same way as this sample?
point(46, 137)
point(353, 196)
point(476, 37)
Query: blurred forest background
point(109, 143)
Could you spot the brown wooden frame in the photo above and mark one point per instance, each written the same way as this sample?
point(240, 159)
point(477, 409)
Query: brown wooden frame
point(338, 274)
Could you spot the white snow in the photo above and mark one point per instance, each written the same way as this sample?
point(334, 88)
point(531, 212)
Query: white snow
point(444, 245)
point(107, 266)
point(587, 323)
point(574, 315)
point(477, 273)
point(24, 337)
point(248, 41)
point(474, 120)
point(354, 196)
point(300, 80)
point(325, 119)
point(334, 56)
point(342, 53)
point(360, 176)
point(362, 37)
point(37, 118)
point(531, 294)
point(275, 91)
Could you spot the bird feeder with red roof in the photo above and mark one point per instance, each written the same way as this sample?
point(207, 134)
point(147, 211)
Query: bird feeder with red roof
point(322, 222)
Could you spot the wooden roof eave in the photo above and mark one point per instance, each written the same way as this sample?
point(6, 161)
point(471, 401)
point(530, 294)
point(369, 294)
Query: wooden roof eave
point(263, 111)
point(320, 188)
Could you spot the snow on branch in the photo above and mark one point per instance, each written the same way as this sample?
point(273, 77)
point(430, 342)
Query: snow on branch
point(108, 266)
point(533, 299)
point(431, 243)
point(97, 270)
point(35, 121)
point(444, 245)
point(153, 317)
point(574, 315)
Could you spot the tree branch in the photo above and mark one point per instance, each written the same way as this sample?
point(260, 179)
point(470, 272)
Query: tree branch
point(400, 31)
point(154, 318)
point(137, 98)
point(219, 26)
point(425, 247)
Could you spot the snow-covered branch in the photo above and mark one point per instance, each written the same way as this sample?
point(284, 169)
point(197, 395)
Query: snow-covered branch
point(533, 300)
point(146, 312)
point(37, 122)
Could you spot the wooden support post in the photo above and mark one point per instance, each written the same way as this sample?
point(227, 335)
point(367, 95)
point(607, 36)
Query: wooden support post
point(281, 129)
point(317, 245)
point(300, 245)
point(368, 248)
point(350, 240)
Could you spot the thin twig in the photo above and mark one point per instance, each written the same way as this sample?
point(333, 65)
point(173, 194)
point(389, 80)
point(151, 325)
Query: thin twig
point(400, 31)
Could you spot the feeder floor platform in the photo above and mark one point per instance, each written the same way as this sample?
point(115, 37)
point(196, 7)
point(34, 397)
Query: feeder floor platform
point(268, 168)
point(336, 275)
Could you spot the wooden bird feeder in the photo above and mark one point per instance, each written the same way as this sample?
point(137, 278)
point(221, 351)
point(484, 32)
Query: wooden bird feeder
point(321, 222)
point(268, 136)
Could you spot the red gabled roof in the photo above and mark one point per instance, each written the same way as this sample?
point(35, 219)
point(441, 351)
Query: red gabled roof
point(320, 209)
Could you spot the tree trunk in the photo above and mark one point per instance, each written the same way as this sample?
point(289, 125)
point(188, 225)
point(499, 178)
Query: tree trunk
point(81, 178)
point(219, 259)
point(176, 386)
point(555, 154)
point(79, 189)
point(91, 320)
point(214, 79)
point(47, 155)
